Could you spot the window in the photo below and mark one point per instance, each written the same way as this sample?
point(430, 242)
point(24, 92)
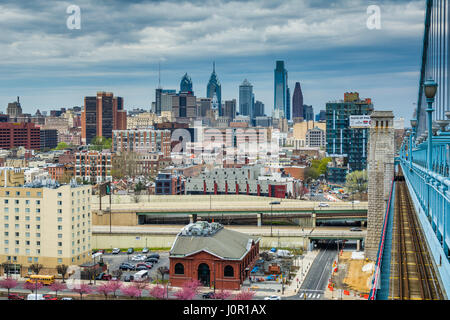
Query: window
point(16, 201)
point(59, 260)
point(17, 193)
point(17, 218)
point(59, 244)
point(28, 194)
point(59, 194)
point(179, 268)
point(228, 271)
point(6, 201)
point(6, 217)
point(7, 193)
point(6, 210)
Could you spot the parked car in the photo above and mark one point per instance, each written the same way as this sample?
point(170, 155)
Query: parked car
point(115, 251)
point(49, 297)
point(145, 250)
point(355, 229)
point(138, 258)
point(66, 298)
point(272, 298)
point(103, 276)
point(323, 204)
point(153, 255)
point(152, 260)
point(15, 296)
point(127, 266)
point(145, 264)
point(141, 267)
point(128, 278)
point(130, 250)
point(208, 295)
point(35, 296)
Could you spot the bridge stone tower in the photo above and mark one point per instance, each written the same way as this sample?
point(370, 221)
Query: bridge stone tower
point(380, 173)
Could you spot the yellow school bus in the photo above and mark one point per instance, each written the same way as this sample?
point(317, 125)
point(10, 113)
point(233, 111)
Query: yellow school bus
point(46, 280)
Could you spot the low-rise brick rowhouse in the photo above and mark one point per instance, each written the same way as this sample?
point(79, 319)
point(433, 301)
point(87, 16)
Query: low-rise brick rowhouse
point(216, 256)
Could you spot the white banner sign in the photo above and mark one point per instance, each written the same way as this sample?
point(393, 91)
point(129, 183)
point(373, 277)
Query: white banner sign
point(359, 121)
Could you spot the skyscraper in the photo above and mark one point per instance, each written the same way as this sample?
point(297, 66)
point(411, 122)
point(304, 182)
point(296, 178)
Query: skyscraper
point(101, 115)
point(158, 96)
point(186, 84)
point(280, 90)
point(258, 109)
point(14, 109)
point(297, 102)
point(230, 109)
point(246, 99)
point(288, 103)
point(214, 89)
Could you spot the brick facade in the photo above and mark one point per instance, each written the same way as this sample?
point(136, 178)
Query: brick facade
point(241, 269)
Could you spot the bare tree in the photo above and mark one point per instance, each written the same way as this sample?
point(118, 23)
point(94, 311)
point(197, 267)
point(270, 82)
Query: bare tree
point(36, 267)
point(62, 270)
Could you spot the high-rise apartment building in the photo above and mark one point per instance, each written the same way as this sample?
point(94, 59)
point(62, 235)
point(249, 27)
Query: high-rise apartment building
point(214, 90)
point(246, 99)
point(101, 115)
point(280, 90)
point(346, 142)
point(93, 166)
point(47, 224)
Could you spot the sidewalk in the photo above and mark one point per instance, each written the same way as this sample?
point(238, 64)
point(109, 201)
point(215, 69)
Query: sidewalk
point(297, 281)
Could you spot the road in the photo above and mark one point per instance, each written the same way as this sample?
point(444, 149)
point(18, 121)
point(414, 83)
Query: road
point(313, 287)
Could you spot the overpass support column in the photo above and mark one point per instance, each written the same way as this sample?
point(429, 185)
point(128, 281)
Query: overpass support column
point(358, 245)
point(259, 219)
point(313, 216)
point(192, 218)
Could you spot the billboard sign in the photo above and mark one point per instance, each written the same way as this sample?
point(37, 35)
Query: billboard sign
point(359, 121)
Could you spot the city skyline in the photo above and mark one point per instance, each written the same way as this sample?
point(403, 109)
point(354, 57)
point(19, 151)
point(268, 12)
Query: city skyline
point(328, 48)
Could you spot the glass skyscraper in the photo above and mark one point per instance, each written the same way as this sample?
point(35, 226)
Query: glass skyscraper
point(281, 106)
point(214, 90)
point(246, 99)
point(186, 84)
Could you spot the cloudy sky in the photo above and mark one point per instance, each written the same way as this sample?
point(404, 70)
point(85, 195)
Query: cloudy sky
point(326, 46)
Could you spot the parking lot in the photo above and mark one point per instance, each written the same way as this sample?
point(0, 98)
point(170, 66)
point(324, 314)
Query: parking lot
point(113, 262)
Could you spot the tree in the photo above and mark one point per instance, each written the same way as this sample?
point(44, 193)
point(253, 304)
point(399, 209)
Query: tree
point(311, 173)
point(8, 284)
point(82, 289)
point(7, 266)
point(124, 164)
point(323, 165)
point(163, 271)
point(115, 285)
point(140, 284)
point(244, 295)
point(357, 181)
point(159, 292)
point(62, 270)
point(131, 291)
point(222, 294)
point(57, 286)
point(188, 291)
point(61, 146)
point(101, 143)
point(36, 267)
point(32, 286)
point(105, 288)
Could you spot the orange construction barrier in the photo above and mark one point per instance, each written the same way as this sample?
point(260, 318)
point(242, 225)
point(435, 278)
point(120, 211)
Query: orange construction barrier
point(346, 292)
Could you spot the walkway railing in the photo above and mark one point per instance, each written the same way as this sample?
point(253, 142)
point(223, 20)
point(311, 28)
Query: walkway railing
point(376, 276)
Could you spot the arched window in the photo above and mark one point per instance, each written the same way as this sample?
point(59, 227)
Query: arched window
point(228, 271)
point(179, 268)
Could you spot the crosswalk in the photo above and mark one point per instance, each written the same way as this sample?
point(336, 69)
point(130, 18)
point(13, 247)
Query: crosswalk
point(306, 295)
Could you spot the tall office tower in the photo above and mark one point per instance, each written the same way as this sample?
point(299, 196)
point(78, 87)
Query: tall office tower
point(186, 84)
point(166, 100)
point(204, 106)
point(321, 116)
point(288, 103)
point(184, 107)
point(258, 109)
point(297, 102)
point(214, 90)
point(280, 90)
point(230, 109)
point(245, 99)
point(158, 96)
point(14, 109)
point(308, 113)
point(347, 136)
point(101, 115)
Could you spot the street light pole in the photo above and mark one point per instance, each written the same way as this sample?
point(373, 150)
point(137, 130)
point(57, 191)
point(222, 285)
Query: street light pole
point(430, 87)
